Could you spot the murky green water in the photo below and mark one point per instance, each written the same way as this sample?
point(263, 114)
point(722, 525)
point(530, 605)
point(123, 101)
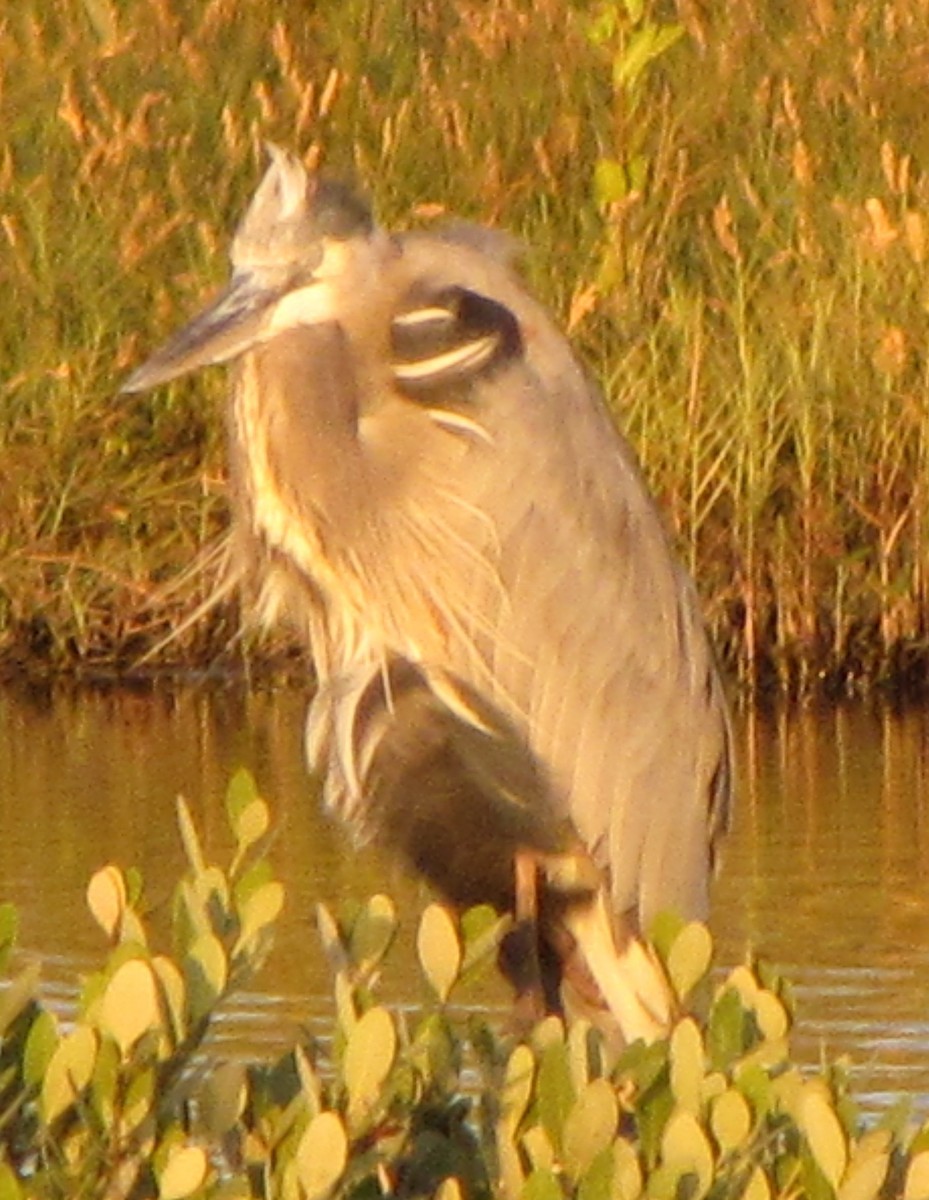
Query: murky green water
point(826, 872)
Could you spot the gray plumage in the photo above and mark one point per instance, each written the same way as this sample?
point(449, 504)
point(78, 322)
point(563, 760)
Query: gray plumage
point(511, 664)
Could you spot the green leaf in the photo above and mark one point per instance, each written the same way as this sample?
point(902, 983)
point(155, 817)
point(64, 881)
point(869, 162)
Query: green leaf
point(482, 930)
point(373, 931)
point(206, 972)
point(331, 937)
point(106, 899)
point(183, 1174)
point(222, 1098)
point(646, 44)
point(610, 183)
point(542, 1184)
point(259, 913)
point(69, 1071)
point(771, 1015)
point(105, 1082)
point(517, 1086)
point(321, 1155)
point(173, 995)
point(369, 1055)
point(310, 1083)
point(589, 1127)
point(627, 1171)
point(15, 998)
point(140, 1099)
point(916, 1184)
point(757, 1187)
point(40, 1046)
point(687, 1065)
point(554, 1091)
point(865, 1176)
point(439, 949)
point(241, 792)
point(824, 1134)
point(9, 927)
point(9, 1186)
point(689, 958)
point(599, 1180)
point(130, 1005)
point(252, 824)
point(686, 1151)
point(730, 1120)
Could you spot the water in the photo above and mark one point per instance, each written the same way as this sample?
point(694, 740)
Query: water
point(825, 873)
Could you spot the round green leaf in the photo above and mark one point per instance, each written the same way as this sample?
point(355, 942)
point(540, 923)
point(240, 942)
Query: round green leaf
point(222, 1097)
point(687, 1064)
point(689, 958)
point(589, 1127)
point(372, 933)
point(730, 1120)
point(207, 972)
point(916, 1184)
point(865, 1176)
point(771, 1016)
point(106, 899)
point(686, 1151)
point(554, 1090)
point(627, 1171)
point(369, 1055)
point(439, 949)
point(259, 911)
point(251, 824)
point(321, 1155)
point(130, 1006)
point(184, 1172)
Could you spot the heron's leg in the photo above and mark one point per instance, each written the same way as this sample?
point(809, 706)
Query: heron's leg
point(520, 951)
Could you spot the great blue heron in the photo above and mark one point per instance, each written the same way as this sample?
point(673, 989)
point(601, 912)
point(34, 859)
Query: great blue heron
point(515, 688)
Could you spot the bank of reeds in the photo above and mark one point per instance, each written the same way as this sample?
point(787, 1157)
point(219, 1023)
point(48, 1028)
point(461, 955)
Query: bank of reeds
point(734, 228)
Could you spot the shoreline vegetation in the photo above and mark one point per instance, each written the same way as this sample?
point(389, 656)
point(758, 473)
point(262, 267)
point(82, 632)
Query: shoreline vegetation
point(133, 1096)
point(727, 210)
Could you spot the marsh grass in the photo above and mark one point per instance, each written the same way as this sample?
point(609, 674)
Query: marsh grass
point(752, 292)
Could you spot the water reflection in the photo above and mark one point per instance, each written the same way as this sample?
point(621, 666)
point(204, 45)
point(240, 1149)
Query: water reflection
point(825, 873)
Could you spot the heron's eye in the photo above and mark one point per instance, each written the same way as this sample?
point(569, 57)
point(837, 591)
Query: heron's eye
point(450, 339)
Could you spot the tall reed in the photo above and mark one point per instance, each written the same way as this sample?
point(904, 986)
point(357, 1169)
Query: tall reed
point(735, 233)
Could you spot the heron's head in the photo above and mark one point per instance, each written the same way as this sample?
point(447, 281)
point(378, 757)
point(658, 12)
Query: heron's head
point(289, 256)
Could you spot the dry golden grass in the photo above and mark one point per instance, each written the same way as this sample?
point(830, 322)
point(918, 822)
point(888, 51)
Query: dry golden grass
point(737, 239)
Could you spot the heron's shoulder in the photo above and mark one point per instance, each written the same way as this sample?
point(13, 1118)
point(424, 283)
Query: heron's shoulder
point(464, 256)
point(499, 245)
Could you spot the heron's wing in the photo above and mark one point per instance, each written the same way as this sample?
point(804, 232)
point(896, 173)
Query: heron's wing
point(604, 645)
point(447, 339)
point(595, 639)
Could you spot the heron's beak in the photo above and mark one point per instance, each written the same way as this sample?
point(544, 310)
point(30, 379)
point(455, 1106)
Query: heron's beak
point(251, 310)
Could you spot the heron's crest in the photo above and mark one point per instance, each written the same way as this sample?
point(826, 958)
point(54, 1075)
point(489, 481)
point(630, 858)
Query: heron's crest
point(291, 212)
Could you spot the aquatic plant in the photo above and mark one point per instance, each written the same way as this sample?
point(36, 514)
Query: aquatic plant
point(132, 1098)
